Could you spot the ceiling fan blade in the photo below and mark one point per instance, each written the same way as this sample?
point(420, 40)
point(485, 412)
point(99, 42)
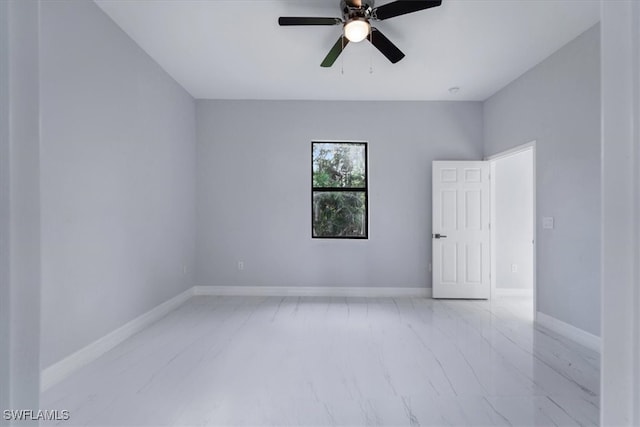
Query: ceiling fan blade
point(402, 7)
point(335, 51)
point(385, 46)
point(294, 20)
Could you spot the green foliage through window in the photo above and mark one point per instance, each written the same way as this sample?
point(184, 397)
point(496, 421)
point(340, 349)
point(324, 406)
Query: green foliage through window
point(339, 193)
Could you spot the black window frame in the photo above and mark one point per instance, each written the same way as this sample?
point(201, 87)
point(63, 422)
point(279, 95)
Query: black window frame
point(364, 190)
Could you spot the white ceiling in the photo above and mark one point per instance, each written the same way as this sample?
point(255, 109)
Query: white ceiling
point(234, 49)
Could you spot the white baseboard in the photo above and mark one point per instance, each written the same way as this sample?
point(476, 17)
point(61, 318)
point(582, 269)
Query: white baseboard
point(60, 370)
point(569, 331)
point(503, 292)
point(316, 291)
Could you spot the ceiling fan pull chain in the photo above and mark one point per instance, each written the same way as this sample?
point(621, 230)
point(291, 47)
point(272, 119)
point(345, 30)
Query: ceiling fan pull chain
point(370, 51)
point(342, 58)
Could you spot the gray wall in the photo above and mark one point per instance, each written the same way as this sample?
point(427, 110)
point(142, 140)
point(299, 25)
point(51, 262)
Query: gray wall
point(19, 207)
point(620, 362)
point(557, 103)
point(118, 179)
point(254, 189)
point(5, 225)
point(513, 226)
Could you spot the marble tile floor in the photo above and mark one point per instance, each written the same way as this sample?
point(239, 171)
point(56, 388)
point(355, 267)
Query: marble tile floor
point(310, 361)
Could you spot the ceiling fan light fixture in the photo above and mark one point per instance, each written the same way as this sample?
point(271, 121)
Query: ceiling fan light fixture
point(356, 30)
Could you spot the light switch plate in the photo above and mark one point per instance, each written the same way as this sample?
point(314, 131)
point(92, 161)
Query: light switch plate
point(547, 222)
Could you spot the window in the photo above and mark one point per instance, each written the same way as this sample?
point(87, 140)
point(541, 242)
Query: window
point(339, 206)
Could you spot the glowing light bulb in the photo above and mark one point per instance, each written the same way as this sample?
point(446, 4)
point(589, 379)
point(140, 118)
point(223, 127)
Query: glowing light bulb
point(356, 30)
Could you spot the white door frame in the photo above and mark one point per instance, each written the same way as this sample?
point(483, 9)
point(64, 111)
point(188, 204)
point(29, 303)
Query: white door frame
point(492, 161)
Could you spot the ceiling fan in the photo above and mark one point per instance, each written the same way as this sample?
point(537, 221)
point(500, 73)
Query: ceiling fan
point(356, 17)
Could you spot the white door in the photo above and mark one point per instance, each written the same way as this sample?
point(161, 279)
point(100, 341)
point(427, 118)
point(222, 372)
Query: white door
point(460, 230)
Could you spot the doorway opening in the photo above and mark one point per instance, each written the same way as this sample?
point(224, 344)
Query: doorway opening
point(513, 228)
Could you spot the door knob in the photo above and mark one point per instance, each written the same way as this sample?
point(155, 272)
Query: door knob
point(439, 236)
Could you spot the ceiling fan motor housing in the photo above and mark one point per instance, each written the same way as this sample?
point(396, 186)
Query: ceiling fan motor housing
point(354, 9)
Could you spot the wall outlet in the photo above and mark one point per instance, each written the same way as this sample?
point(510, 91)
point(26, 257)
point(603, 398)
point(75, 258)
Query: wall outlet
point(547, 222)
point(514, 268)
point(184, 269)
point(240, 265)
